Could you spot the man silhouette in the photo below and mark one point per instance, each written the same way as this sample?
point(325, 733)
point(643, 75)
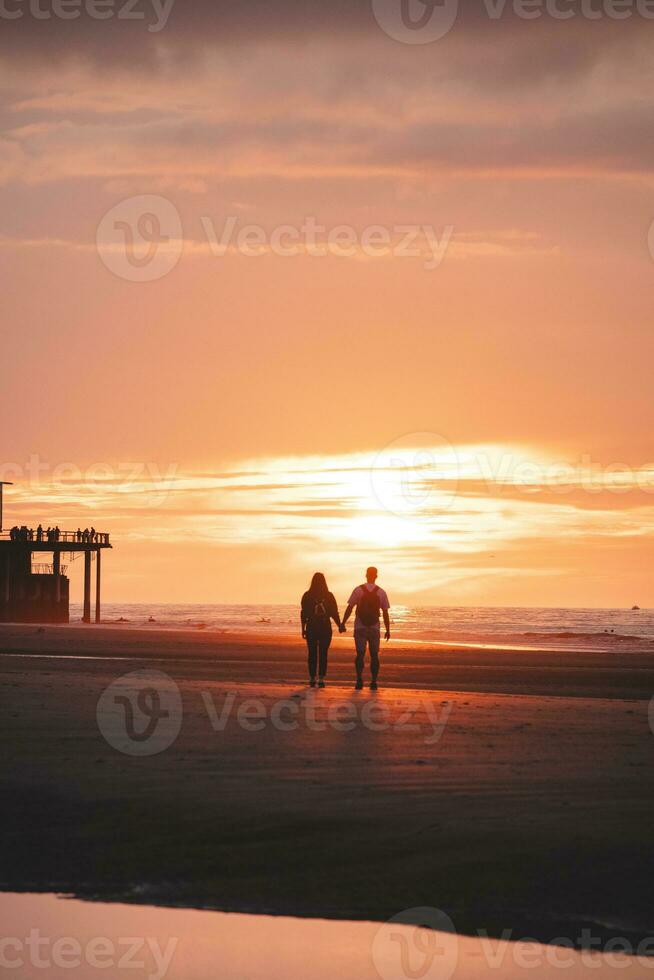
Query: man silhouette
point(369, 600)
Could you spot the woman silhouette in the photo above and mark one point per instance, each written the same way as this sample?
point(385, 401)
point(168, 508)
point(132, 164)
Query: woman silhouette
point(317, 611)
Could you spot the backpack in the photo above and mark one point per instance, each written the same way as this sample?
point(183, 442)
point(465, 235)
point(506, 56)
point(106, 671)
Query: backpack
point(320, 613)
point(369, 606)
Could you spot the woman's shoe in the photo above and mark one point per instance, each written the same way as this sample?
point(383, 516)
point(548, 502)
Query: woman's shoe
point(373, 686)
point(359, 685)
point(312, 682)
point(321, 683)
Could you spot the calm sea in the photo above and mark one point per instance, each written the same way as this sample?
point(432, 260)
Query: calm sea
point(609, 629)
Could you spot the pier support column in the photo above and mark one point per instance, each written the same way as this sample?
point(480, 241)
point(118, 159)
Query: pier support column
point(56, 569)
point(86, 617)
point(97, 585)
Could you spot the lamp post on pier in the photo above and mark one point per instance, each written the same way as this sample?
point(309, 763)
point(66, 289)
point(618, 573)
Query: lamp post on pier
point(3, 483)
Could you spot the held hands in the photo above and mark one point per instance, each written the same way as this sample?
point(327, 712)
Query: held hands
point(342, 628)
point(387, 635)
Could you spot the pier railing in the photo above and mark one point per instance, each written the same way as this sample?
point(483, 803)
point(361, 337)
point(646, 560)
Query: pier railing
point(56, 537)
point(44, 569)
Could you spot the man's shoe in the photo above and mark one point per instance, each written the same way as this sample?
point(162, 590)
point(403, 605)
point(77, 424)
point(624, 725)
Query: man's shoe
point(312, 682)
point(373, 686)
point(359, 685)
point(321, 683)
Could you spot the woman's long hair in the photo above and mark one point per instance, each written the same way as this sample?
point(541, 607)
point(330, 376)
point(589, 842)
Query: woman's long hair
point(318, 588)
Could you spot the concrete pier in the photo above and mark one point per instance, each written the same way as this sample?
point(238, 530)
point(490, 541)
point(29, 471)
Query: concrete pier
point(40, 593)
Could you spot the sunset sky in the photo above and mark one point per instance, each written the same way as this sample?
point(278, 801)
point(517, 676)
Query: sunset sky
point(478, 425)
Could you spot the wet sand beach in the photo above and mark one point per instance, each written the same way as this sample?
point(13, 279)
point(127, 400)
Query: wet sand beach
point(511, 789)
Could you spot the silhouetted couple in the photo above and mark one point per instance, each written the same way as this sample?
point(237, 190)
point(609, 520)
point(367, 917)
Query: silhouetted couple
point(319, 608)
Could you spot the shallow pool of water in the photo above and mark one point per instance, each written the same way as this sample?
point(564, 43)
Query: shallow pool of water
point(46, 936)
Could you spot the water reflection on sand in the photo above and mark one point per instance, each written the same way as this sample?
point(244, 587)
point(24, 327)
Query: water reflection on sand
point(46, 936)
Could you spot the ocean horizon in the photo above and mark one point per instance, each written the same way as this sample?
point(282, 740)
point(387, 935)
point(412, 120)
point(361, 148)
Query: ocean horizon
point(523, 627)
